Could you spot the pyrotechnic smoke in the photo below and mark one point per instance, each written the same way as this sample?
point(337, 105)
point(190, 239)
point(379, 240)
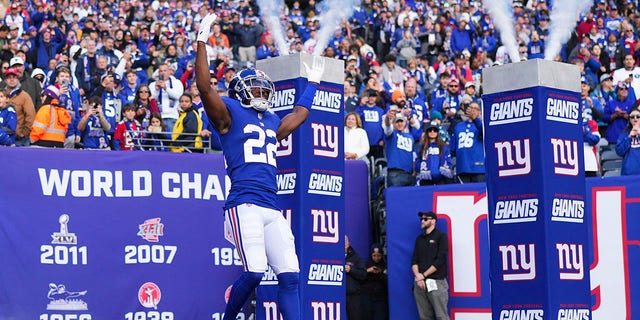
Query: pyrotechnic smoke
point(333, 12)
point(502, 15)
point(271, 10)
point(563, 22)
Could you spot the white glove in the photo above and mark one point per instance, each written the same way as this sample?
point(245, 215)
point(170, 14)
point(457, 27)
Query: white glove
point(446, 172)
point(314, 74)
point(205, 27)
point(424, 175)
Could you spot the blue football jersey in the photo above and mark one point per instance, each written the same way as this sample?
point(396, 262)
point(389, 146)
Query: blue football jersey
point(250, 152)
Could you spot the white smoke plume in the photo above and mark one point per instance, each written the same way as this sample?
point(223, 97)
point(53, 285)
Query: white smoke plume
point(563, 21)
point(333, 13)
point(271, 11)
point(502, 15)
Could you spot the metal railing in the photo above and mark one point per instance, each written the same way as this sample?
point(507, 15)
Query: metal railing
point(161, 141)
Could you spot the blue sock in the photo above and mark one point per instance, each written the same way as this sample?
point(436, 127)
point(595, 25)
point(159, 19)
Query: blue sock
point(240, 292)
point(288, 298)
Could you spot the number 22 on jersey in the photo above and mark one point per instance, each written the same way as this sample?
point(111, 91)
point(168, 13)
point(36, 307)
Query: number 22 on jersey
point(259, 149)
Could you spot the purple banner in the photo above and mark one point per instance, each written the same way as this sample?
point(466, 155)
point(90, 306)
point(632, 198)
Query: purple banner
point(536, 191)
point(311, 188)
point(126, 235)
point(611, 208)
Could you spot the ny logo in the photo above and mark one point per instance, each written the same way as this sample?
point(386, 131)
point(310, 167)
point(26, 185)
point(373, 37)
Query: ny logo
point(326, 310)
point(285, 147)
point(325, 226)
point(514, 155)
point(325, 140)
point(571, 260)
point(565, 157)
point(517, 263)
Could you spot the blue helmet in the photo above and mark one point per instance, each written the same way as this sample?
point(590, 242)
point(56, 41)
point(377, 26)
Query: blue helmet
point(253, 87)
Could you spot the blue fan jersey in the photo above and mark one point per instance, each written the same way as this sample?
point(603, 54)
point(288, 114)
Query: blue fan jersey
point(250, 152)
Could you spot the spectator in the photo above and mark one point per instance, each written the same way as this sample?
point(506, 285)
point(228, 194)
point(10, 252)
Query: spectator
point(23, 106)
point(8, 120)
point(606, 91)
point(216, 34)
point(167, 90)
point(461, 71)
point(87, 71)
point(450, 104)
point(353, 71)
point(430, 40)
point(615, 51)
point(590, 106)
point(52, 120)
point(375, 286)
point(356, 273)
point(392, 74)
point(487, 41)
point(470, 93)
point(248, 39)
point(70, 97)
point(156, 138)
point(429, 267)
point(591, 138)
point(616, 112)
point(186, 132)
point(127, 134)
point(356, 143)
point(209, 134)
point(371, 115)
point(49, 42)
point(130, 86)
point(406, 48)
point(94, 126)
point(433, 165)
point(629, 73)
point(399, 149)
point(27, 83)
point(145, 105)
point(602, 57)
point(628, 145)
point(111, 101)
point(535, 47)
point(15, 18)
point(416, 100)
point(440, 92)
point(39, 75)
point(463, 36)
point(350, 96)
point(467, 146)
point(415, 73)
point(268, 49)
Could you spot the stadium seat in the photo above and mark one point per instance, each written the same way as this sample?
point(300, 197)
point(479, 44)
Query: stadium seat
point(379, 167)
point(612, 173)
point(612, 164)
point(609, 155)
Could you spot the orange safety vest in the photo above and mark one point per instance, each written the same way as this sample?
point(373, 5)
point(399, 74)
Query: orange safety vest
point(51, 124)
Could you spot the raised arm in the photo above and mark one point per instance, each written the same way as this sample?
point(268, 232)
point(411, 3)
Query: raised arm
point(300, 112)
point(213, 104)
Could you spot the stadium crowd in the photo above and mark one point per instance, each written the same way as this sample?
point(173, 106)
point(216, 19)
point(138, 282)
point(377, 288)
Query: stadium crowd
point(124, 72)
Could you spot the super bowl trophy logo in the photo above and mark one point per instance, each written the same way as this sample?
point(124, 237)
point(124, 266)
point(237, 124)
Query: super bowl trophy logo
point(64, 237)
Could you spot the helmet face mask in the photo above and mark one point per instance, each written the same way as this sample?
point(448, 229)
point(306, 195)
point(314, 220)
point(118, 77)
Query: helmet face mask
point(254, 88)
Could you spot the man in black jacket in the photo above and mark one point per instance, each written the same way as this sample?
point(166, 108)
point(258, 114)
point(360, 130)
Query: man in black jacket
point(355, 272)
point(429, 266)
